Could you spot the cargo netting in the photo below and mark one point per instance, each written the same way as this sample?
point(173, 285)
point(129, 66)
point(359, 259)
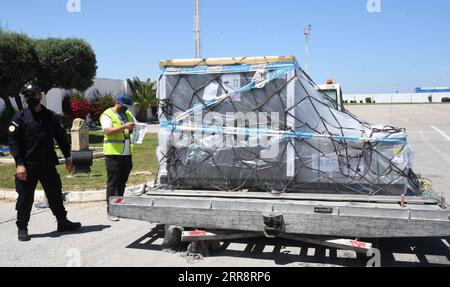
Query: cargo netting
point(267, 127)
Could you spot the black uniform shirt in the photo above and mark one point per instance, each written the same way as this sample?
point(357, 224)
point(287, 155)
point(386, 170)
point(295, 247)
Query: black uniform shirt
point(32, 135)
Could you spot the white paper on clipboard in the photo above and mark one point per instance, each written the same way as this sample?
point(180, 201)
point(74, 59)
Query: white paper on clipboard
point(139, 133)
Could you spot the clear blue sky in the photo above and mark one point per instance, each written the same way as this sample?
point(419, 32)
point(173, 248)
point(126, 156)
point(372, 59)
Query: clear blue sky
point(408, 43)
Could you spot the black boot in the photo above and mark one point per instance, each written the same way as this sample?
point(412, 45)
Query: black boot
point(66, 225)
point(23, 235)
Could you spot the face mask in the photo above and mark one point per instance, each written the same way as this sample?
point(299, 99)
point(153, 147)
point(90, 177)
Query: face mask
point(33, 103)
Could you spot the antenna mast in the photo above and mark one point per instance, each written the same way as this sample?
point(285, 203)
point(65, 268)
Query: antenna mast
point(197, 31)
point(307, 33)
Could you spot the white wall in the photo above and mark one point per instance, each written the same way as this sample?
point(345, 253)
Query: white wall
point(53, 99)
point(396, 98)
point(107, 85)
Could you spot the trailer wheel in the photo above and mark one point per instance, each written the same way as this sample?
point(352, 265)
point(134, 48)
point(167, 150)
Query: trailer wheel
point(172, 237)
point(198, 249)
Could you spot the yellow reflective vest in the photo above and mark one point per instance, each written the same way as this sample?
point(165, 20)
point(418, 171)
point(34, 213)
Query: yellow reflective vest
point(114, 145)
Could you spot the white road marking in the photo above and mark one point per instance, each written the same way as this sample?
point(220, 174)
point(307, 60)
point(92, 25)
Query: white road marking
point(436, 259)
point(446, 243)
point(441, 133)
point(406, 257)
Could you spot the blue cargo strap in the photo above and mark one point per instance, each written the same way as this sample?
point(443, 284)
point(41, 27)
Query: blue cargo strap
point(175, 126)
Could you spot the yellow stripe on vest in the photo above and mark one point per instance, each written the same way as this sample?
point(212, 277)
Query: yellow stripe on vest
point(115, 144)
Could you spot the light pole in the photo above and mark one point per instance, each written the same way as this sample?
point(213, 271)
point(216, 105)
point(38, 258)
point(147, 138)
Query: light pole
point(307, 33)
point(197, 31)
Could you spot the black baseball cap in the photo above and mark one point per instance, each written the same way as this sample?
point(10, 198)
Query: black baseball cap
point(31, 88)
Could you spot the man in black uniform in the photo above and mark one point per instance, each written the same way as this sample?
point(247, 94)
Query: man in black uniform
point(31, 139)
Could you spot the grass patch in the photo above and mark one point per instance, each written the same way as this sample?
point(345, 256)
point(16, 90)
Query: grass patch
point(144, 162)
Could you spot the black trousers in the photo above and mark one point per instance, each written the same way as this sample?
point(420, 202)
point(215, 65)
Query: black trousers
point(51, 182)
point(118, 169)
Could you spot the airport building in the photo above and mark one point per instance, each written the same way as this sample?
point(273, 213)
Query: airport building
point(420, 95)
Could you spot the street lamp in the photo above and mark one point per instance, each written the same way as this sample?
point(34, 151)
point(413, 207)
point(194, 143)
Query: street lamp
point(307, 33)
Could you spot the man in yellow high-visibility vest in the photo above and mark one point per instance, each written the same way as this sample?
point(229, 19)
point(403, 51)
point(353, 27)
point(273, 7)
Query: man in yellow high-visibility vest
point(118, 124)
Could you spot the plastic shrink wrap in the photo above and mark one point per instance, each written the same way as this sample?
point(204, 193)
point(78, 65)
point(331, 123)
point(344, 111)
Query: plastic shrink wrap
point(263, 125)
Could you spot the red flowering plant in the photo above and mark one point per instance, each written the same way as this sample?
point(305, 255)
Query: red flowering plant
point(80, 109)
point(76, 106)
point(100, 102)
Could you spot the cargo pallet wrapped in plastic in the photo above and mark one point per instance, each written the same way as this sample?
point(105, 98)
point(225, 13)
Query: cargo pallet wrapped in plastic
point(261, 124)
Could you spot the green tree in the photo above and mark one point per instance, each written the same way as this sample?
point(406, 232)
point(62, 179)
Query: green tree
point(144, 96)
point(62, 63)
point(17, 66)
point(65, 63)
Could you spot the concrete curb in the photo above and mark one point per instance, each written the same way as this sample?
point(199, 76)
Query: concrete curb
point(97, 155)
point(71, 196)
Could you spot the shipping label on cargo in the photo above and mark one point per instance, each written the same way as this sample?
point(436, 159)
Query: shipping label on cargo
point(232, 82)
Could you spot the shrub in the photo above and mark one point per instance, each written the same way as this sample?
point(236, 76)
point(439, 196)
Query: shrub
point(76, 106)
point(368, 100)
point(100, 103)
point(361, 102)
point(446, 100)
point(80, 109)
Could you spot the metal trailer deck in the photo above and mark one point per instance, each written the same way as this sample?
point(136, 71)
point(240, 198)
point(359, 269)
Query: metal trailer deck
point(343, 216)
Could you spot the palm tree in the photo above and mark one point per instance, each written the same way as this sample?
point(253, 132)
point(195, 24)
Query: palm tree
point(144, 97)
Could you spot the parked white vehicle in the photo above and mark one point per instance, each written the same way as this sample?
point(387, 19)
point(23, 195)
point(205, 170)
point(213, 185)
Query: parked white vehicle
point(334, 92)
